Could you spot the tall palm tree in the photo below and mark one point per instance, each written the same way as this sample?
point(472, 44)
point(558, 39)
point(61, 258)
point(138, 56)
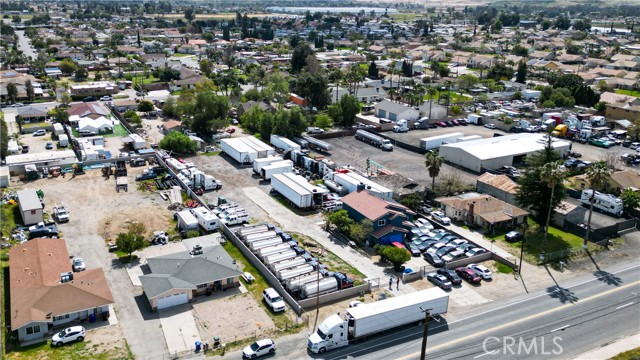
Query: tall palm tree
point(552, 174)
point(597, 176)
point(431, 92)
point(336, 75)
point(433, 162)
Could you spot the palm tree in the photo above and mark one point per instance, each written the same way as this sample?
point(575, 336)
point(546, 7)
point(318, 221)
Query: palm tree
point(553, 174)
point(597, 176)
point(433, 162)
point(431, 92)
point(336, 75)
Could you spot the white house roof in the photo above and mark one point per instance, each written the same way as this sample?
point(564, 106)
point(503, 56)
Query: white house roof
point(508, 145)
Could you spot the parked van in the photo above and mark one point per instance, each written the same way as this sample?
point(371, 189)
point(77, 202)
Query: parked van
point(273, 300)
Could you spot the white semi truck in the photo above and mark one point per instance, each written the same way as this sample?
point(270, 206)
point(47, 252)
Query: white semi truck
point(374, 140)
point(372, 318)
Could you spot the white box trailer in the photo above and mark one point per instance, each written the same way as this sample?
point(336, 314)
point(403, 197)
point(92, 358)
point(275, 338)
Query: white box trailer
point(186, 221)
point(372, 318)
point(280, 167)
point(434, 142)
point(238, 150)
point(474, 119)
point(287, 264)
point(325, 286)
point(294, 284)
point(298, 190)
point(257, 245)
point(281, 256)
point(259, 236)
point(262, 253)
point(284, 275)
point(206, 219)
point(259, 163)
point(351, 181)
point(261, 147)
point(469, 138)
point(246, 231)
point(283, 143)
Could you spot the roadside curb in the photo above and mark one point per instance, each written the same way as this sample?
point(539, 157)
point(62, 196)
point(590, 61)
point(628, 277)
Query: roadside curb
point(612, 349)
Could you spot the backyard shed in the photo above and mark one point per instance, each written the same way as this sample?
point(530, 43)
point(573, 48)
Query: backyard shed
point(30, 207)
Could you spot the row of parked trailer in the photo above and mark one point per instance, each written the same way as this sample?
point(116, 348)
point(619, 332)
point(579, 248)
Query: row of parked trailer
point(297, 269)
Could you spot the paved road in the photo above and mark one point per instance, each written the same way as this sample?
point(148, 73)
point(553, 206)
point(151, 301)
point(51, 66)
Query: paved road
point(24, 44)
point(569, 319)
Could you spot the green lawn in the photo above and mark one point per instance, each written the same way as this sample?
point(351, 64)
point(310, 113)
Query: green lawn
point(181, 55)
point(147, 80)
point(77, 351)
point(10, 213)
point(633, 354)
point(455, 97)
point(635, 93)
point(39, 124)
point(118, 131)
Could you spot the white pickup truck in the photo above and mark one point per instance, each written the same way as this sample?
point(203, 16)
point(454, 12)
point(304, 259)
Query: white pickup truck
point(61, 213)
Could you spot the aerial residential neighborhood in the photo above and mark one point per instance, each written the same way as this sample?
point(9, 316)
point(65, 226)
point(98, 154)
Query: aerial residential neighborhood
point(370, 180)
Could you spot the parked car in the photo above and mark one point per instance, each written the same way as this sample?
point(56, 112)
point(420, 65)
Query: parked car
point(440, 217)
point(441, 123)
point(16, 105)
point(469, 275)
point(433, 249)
point(451, 275)
point(314, 130)
point(41, 132)
point(259, 348)
point(490, 126)
point(456, 122)
point(273, 300)
point(513, 236)
point(433, 259)
point(89, 99)
point(439, 280)
point(455, 254)
point(106, 98)
point(458, 242)
point(422, 222)
point(413, 249)
point(70, 334)
point(474, 252)
point(449, 123)
point(78, 265)
point(634, 145)
point(25, 149)
point(48, 145)
point(481, 270)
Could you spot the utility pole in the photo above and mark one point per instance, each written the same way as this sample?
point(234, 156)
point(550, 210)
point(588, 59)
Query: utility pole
point(524, 233)
point(425, 334)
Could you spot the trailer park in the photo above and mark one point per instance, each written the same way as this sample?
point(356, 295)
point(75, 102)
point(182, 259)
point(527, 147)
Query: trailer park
point(252, 216)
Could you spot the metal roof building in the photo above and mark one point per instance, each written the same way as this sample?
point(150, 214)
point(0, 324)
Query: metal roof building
point(492, 153)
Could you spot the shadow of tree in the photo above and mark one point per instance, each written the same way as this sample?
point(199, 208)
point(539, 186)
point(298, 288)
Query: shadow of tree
point(562, 294)
point(607, 278)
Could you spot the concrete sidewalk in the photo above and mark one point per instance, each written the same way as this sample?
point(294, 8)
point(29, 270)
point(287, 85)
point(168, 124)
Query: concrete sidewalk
point(613, 349)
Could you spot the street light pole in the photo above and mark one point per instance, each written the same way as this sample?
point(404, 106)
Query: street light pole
point(425, 334)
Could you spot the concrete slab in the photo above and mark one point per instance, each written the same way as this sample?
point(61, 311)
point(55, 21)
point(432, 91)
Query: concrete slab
point(134, 272)
point(179, 328)
point(465, 295)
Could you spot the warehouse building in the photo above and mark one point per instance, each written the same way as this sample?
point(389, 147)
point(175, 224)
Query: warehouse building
point(492, 153)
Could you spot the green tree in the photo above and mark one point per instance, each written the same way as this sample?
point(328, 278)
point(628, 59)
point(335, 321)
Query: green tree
point(209, 113)
point(133, 117)
point(360, 231)
point(129, 243)
point(601, 106)
point(341, 220)
point(67, 66)
point(266, 125)
point(179, 143)
point(12, 92)
point(373, 71)
point(206, 67)
point(81, 73)
point(97, 76)
point(552, 174)
point(562, 22)
point(299, 56)
point(569, 81)
point(630, 199)
point(190, 14)
point(597, 176)
point(252, 119)
point(28, 86)
point(277, 88)
point(252, 95)
point(350, 107)
point(466, 81)
point(169, 107)
point(323, 121)
point(65, 98)
point(145, 106)
point(60, 115)
point(521, 76)
point(411, 201)
point(4, 138)
point(433, 163)
point(533, 193)
point(394, 255)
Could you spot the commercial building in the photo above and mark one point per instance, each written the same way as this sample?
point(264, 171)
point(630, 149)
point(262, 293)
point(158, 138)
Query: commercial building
point(492, 153)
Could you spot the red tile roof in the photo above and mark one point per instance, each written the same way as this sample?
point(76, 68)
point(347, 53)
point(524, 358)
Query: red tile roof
point(372, 207)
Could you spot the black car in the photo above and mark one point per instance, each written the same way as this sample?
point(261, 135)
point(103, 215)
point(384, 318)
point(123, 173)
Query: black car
point(433, 259)
point(89, 99)
point(413, 249)
point(449, 123)
point(432, 126)
point(451, 275)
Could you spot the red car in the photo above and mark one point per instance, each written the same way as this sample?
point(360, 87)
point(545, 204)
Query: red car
point(231, 130)
point(441, 124)
point(469, 275)
point(456, 122)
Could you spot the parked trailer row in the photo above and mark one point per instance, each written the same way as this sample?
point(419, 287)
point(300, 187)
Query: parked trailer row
point(293, 285)
point(258, 164)
point(281, 256)
point(262, 253)
point(248, 230)
point(259, 236)
point(324, 286)
point(257, 245)
point(287, 264)
point(289, 273)
point(280, 167)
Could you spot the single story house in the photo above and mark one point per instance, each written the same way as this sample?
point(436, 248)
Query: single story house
point(391, 220)
point(176, 279)
point(484, 211)
point(395, 111)
point(94, 126)
point(32, 114)
point(47, 295)
point(498, 186)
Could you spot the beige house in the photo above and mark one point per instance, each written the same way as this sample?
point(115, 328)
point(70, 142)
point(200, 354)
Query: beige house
point(484, 211)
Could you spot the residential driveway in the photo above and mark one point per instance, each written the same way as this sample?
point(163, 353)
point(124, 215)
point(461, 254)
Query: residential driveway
point(10, 119)
point(179, 327)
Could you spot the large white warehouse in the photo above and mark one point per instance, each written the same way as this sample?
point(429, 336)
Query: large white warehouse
point(492, 153)
point(246, 149)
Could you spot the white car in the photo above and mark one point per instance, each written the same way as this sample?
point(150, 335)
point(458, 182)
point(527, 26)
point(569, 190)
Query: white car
point(458, 242)
point(105, 98)
point(475, 251)
point(273, 299)
point(423, 223)
point(74, 333)
point(259, 348)
point(490, 126)
point(481, 270)
point(634, 145)
point(314, 130)
point(440, 217)
point(78, 265)
point(41, 132)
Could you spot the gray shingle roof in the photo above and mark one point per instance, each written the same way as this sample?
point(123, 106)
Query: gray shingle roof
point(155, 285)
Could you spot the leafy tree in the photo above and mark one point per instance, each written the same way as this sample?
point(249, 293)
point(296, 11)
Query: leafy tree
point(569, 81)
point(562, 22)
point(466, 81)
point(60, 115)
point(630, 199)
point(169, 107)
point(67, 66)
point(597, 176)
point(496, 27)
point(601, 106)
point(350, 107)
point(205, 67)
point(81, 73)
point(190, 14)
point(166, 74)
point(266, 125)
point(12, 91)
point(252, 95)
point(4, 138)
point(394, 255)
point(360, 231)
point(65, 98)
point(179, 143)
point(519, 50)
point(29, 89)
point(341, 220)
point(129, 243)
point(457, 110)
point(433, 162)
point(299, 57)
point(133, 117)
point(500, 71)
point(584, 95)
point(533, 193)
point(411, 201)
point(277, 88)
point(209, 113)
point(323, 121)
point(145, 106)
point(97, 76)
point(373, 71)
point(521, 76)
point(443, 70)
point(252, 119)
point(546, 24)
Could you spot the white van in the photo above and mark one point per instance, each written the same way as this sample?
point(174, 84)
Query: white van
point(273, 300)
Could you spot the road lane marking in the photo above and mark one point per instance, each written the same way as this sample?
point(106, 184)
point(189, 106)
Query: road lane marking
point(625, 305)
point(519, 321)
point(560, 328)
point(487, 353)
